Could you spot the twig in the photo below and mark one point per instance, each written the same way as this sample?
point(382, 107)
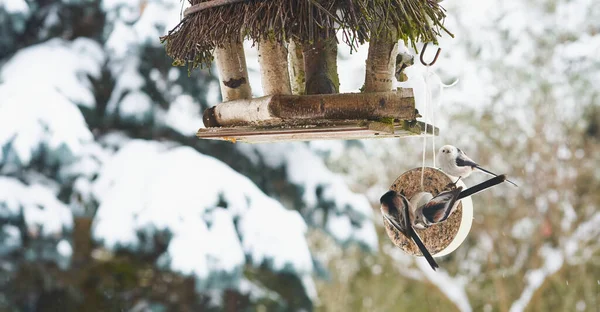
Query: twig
point(207, 5)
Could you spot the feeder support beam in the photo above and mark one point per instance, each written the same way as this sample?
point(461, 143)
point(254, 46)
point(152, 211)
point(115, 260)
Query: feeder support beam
point(233, 73)
point(381, 62)
point(320, 67)
point(307, 109)
point(296, 68)
point(275, 77)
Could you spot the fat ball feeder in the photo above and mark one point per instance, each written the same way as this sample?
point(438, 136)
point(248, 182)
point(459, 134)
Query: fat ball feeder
point(442, 238)
point(297, 47)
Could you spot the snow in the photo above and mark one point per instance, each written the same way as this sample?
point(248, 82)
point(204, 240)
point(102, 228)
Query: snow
point(88, 164)
point(10, 239)
point(273, 235)
point(11, 191)
point(311, 289)
point(523, 229)
point(150, 188)
point(44, 215)
point(339, 227)
point(328, 148)
point(47, 123)
point(114, 44)
point(136, 106)
point(350, 219)
point(403, 262)
point(256, 292)
point(253, 68)
point(178, 190)
point(452, 287)
point(553, 261)
point(64, 248)
point(15, 6)
point(128, 80)
point(351, 71)
point(196, 249)
point(184, 115)
point(39, 121)
point(136, 25)
point(57, 64)
point(583, 235)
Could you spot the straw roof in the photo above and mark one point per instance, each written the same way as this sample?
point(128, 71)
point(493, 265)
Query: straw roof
point(192, 41)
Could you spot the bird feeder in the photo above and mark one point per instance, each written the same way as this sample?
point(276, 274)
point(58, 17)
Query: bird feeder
point(297, 50)
point(442, 238)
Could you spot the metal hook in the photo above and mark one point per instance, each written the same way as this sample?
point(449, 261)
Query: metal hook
point(437, 54)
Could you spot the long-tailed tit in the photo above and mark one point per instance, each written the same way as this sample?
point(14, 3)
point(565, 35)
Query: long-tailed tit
point(397, 216)
point(439, 208)
point(456, 163)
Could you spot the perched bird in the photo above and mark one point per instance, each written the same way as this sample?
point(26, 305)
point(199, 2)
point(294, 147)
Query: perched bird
point(437, 209)
point(397, 217)
point(432, 210)
point(456, 163)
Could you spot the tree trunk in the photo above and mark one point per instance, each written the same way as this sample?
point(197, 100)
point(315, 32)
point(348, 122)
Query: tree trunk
point(82, 240)
point(233, 74)
point(275, 77)
point(320, 67)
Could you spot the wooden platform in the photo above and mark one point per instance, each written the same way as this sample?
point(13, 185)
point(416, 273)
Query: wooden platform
point(326, 130)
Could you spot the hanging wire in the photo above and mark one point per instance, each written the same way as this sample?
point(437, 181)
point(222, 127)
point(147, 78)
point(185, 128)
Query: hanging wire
point(428, 100)
point(424, 145)
point(432, 108)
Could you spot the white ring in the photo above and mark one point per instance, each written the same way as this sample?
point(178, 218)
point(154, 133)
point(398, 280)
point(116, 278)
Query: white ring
point(465, 223)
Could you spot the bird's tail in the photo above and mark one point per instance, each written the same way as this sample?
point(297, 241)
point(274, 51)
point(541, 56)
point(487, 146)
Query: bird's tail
point(495, 175)
point(481, 186)
point(423, 249)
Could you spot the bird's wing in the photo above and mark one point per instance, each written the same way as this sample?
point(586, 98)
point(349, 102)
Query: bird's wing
point(482, 186)
point(393, 223)
point(438, 208)
point(406, 212)
point(398, 202)
point(462, 160)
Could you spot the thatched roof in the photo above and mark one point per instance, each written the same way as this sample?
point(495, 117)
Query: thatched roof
point(193, 40)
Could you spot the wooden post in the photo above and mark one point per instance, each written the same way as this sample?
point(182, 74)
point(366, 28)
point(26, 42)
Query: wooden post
point(381, 62)
point(233, 74)
point(296, 68)
point(320, 67)
point(274, 74)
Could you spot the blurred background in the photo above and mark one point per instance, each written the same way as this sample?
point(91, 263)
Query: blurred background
point(108, 202)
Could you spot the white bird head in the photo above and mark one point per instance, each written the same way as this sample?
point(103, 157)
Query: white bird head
point(449, 150)
point(447, 155)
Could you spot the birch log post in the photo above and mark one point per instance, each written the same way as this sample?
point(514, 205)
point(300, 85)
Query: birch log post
point(296, 67)
point(381, 62)
point(320, 67)
point(274, 74)
point(233, 73)
point(305, 109)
